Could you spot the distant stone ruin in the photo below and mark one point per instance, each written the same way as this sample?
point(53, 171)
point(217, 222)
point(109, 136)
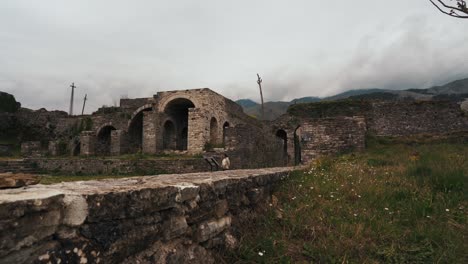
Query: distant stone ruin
point(192, 122)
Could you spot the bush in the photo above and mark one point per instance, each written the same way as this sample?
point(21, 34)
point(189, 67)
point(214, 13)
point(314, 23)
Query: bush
point(8, 103)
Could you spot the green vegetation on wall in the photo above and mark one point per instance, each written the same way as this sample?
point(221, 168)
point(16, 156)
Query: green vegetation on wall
point(8, 103)
point(79, 126)
point(329, 109)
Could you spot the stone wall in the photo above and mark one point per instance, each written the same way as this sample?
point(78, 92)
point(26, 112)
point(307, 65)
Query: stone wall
point(321, 137)
point(91, 166)
point(392, 118)
point(253, 147)
point(32, 148)
point(309, 138)
point(160, 219)
point(411, 118)
point(135, 103)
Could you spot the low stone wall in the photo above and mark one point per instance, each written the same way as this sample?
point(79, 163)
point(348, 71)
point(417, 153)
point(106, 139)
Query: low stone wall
point(89, 166)
point(153, 219)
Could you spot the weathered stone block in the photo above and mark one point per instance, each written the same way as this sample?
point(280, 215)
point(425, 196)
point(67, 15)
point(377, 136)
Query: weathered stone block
point(212, 228)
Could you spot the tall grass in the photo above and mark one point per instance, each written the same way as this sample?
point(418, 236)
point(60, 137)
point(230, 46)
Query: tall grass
point(394, 203)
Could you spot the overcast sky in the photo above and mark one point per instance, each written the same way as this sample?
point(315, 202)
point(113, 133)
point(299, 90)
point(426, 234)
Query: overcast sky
point(115, 48)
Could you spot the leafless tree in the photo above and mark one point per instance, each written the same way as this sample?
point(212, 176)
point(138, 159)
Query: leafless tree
point(454, 8)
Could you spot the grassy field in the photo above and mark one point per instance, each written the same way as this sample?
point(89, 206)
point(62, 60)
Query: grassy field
point(393, 203)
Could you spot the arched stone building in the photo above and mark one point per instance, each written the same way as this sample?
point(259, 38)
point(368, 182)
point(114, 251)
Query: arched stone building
point(182, 120)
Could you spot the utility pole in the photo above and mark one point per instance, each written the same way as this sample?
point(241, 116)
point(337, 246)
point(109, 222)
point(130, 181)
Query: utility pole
point(84, 102)
point(71, 99)
point(259, 81)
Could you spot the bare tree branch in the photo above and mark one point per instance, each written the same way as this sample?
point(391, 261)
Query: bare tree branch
point(459, 11)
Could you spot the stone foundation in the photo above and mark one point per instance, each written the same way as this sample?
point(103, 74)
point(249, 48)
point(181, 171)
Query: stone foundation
point(31, 148)
point(92, 166)
point(160, 219)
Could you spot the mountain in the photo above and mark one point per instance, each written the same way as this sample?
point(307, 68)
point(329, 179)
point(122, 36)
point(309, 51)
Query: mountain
point(309, 99)
point(455, 91)
point(350, 93)
point(246, 103)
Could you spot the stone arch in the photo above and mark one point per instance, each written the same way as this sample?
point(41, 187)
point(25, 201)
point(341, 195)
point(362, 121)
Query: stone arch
point(164, 103)
point(283, 136)
point(177, 110)
point(103, 139)
point(213, 131)
point(140, 109)
point(135, 128)
point(169, 135)
point(225, 125)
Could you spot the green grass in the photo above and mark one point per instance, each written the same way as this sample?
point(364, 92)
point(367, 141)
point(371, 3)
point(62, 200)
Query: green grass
point(393, 203)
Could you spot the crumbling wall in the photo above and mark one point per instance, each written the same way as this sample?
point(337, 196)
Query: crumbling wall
point(207, 105)
point(321, 137)
point(161, 219)
point(253, 147)
point(392, 118)
point(309, 138)
point(411, 118)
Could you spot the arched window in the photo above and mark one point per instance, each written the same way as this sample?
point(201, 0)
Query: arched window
point(225, 125)
point(103, 145)
point(177, 110)
point(169, 135)
point(283, 136)
point(213, 131)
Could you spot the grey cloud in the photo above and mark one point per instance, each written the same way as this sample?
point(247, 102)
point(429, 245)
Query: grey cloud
point(115, 48)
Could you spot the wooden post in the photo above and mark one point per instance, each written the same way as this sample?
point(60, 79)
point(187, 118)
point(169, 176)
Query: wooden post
point(84, 102)
point(259, 81)
point(71, 99)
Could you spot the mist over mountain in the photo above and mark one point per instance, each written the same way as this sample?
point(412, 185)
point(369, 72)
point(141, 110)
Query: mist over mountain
point(456, 90)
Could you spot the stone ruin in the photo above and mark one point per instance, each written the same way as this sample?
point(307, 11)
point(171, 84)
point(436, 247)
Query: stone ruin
point(192, 122)
point(176, 218)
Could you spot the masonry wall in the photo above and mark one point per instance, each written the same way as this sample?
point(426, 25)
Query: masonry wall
point(160, 219)
point(253, 147)
point(410, 118)
point(321, 137)
point(92, 166)
point(208, 104)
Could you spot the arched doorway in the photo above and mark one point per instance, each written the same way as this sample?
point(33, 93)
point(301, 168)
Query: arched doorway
point(213, 131)
point(283, 136)
point(177, 111)
point(103, 145)
point(169, 135)
point(297, 146)
point(135, 129)
point(225, 125)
